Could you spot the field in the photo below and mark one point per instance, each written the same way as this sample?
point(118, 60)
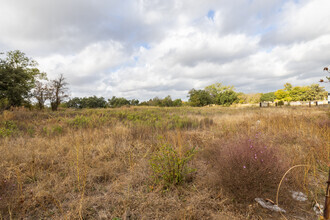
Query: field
point(162, 163)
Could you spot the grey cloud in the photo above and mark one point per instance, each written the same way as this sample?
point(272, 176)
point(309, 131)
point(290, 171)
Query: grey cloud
point(255, 45)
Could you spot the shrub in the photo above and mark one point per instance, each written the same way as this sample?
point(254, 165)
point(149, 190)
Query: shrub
point(247, 168)
point(80, 122)
point(170, 166)
point(7, 129)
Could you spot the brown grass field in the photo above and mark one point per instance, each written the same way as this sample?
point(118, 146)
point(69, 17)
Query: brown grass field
point(162, 163)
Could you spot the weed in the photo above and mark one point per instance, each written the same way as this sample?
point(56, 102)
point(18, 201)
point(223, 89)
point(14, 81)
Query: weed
point(80, 122)
point(8, 129)
point(247, 168)
point(170, 166)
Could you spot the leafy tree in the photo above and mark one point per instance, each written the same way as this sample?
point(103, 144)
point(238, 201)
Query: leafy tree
point(74, 103)
point(115, 102)
point(134, 102)
point(18, 75)
point(87, 102)
point(267, 97)
point(217, 88)
point(222, 95)
point(287, 87)
point(177, 102)
point(199, 97)
point(57, 92)
point(227, 98)
point(167, 102)
point(297, 93)
point(316, 92)
point(300, 93)
point(93, 102)
point(281, 94)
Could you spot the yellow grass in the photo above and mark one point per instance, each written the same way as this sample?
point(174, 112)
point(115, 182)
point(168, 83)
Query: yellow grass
point(94, 164)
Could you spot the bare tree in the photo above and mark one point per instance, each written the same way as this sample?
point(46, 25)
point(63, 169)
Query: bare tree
point(40, 94)
point(57, 91)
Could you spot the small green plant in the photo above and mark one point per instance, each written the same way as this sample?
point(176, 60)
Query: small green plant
point(170, 166)
point(80, 122)
point(9, 127)
point(57, 129)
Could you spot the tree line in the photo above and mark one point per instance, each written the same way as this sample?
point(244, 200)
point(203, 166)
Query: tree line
point(21, 81)
point(23, 84)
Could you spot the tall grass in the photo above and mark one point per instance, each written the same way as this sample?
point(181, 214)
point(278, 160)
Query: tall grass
point(95, 164)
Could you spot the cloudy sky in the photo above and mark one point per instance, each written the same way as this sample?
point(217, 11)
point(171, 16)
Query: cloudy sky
point(147, 48)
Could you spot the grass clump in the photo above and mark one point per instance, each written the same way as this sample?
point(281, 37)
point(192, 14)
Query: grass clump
point(80, 121)
point(170, 166)
point(247, 168)
point(8, 128)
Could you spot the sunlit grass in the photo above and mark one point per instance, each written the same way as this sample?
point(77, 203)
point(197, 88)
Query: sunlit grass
point(81, 164)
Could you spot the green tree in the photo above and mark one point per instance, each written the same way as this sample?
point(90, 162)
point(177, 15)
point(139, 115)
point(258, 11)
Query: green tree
point(167, 101)
point(227, 98)
point(115, 102)
point(177, 102)
point(199, 97)
point(281, 94)
point(287, 87)
point(94, 102)
point(134, 102)
point(74, 103)
point(317, 92)
point(222, 95)
point(18, 75)
point(267, 97)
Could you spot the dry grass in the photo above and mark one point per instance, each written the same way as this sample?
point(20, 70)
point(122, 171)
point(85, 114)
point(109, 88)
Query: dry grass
point(95, 164)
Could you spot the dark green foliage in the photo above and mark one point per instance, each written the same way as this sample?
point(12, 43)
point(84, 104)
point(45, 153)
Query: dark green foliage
point(87, 102)
point(134, 102)
point(74, 103)
point(166, 102)
point(213, 94)
point(226, 98)
point(268, 97)
point(18, 74)
point(4, 104)
point(199, 98)
point(115, 102)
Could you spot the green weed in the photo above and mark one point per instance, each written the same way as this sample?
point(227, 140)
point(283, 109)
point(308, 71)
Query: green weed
point(170, 166)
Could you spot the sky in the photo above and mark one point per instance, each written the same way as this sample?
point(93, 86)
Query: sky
point(146, 48)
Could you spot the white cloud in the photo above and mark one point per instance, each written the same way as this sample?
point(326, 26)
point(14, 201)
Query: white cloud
point(146, 48)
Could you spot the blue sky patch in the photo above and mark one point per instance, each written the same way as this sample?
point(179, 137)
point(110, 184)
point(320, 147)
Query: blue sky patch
point(210, 14)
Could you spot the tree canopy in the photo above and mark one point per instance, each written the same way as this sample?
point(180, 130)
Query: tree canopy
point(300, 93)
point(18, 75)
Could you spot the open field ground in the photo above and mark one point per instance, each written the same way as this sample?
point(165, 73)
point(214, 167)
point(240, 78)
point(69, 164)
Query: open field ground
point(162, 163)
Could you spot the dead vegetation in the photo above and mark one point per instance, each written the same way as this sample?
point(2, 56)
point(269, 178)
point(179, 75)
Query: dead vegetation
point(97, 164)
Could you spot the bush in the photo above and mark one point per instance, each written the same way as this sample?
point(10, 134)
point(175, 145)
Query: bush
point(80, 122)
point(247, 168)
point(170, 166)
point(7, 129)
